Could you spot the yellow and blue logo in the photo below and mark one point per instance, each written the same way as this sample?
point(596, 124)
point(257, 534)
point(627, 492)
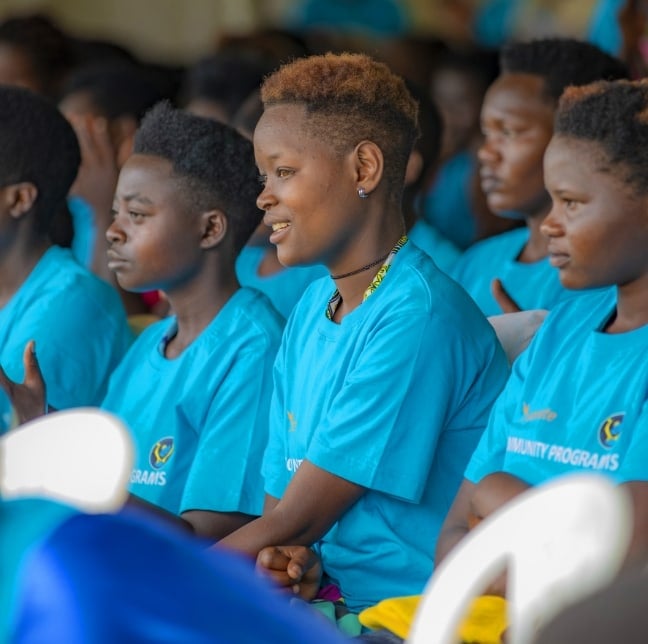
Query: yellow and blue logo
point(609, 431)
point(161, 452)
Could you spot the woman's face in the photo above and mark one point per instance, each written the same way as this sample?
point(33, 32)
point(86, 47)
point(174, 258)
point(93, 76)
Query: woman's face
point(598, 225)
point(517, 123)
point(309, 192)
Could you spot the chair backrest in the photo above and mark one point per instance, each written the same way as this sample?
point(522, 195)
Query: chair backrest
point(82, 457)
point(559, 542)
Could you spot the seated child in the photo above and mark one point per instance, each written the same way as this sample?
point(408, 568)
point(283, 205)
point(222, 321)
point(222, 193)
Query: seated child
point(195, 387)
point(517, 121)
point(387, 370)
point(76, 320)
point(577, 398)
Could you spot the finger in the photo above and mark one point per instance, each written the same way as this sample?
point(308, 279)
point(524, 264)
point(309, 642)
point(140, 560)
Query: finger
point(33, 375)
point(271, 558)
point(503, 299)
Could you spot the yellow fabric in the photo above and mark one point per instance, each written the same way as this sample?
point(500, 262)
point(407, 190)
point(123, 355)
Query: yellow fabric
point(484, 623)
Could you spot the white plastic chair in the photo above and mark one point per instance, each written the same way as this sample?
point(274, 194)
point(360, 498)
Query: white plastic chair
point(559, 541)
point(81, 457)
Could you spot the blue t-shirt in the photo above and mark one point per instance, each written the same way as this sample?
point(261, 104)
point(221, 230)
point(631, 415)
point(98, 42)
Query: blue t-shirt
point(79, 578)
point(577, 399)
point(433, 243)
point(283, 288)
point(393, 399)
point(200, 421)
point(447, 204)
point(532, 286)
point(80, 329)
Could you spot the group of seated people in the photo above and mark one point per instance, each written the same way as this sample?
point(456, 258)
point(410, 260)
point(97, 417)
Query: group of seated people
point(346, 440)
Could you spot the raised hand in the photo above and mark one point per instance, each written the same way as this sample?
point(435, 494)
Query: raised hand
point(294, 567)
point(29, 397)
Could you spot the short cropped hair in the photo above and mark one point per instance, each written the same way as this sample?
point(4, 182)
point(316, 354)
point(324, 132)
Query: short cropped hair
point(213, 163)
point(116, 88)
point(615, 116)
point(561, 62)
point(350, 98)
point(39, 146)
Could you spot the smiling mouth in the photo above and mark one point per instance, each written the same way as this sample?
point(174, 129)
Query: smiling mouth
point(280, 226)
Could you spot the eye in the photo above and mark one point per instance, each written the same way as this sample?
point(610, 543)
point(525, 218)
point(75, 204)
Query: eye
point(284, 173)
point(136, 216)
point(114, 212)
point(262, 179)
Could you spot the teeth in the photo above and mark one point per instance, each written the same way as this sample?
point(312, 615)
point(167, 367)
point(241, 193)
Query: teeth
point(281, 226)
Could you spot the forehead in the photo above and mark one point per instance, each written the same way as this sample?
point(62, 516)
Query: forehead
point(287, 128)
point(147, 175)
point(518, 95)
point(568, 160)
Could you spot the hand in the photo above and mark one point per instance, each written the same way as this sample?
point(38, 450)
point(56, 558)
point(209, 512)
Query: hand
point(29, 398)
point(97, 177)
point(295, 567)
point(505, 301)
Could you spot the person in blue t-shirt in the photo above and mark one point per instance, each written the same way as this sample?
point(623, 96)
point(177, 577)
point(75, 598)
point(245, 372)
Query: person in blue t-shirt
point(577, 399)
point(517, 122)
point(76, 321)
point(387, 370)
point(195, 387)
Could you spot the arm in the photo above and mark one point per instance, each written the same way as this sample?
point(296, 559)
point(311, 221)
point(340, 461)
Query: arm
point(202, 523)
point(314, 500)
point(475, 502)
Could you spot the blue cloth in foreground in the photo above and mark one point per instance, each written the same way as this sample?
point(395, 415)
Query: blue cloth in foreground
point(129, 578)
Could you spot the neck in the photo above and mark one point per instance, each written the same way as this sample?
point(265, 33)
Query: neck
point(195, 305)
point(536, 247)
point(632, 307)
point(353, 287)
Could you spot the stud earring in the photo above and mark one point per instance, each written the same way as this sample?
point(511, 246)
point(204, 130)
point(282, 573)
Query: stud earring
point(361, 193)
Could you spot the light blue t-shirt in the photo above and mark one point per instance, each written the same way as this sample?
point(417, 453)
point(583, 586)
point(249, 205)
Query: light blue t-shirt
point(444, 253)
point(80, 329)
point(577, 399)
point(283, 288)
point(532, 286)
point(393, 399)
point(200, 421)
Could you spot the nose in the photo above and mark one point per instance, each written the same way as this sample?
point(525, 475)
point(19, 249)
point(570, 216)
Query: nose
point(266, 199)
point(115, 233)
point(551, 225)
point(488, 152)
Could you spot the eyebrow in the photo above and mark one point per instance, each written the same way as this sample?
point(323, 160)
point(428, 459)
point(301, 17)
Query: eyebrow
point(137, 197)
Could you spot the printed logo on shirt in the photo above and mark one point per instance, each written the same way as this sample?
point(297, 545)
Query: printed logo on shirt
point(608, 431)
point(161, 452)
point(292, 464)
point(292, 420)
point(529, 415)
point(564, 454)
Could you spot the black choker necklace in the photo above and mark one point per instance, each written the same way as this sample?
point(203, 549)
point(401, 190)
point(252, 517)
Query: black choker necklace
point(360, 270)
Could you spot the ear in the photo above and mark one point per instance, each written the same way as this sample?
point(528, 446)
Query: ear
point(19, 198)
point(214, 228)
point(369, 165)
point(122, 134)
